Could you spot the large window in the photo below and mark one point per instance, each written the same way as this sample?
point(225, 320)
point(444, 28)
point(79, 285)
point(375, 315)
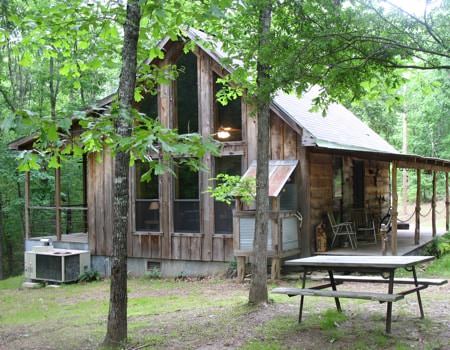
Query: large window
point(223, 215)
point(187, 95)
point(186, 203)
point(228, 118)
point(147, 202)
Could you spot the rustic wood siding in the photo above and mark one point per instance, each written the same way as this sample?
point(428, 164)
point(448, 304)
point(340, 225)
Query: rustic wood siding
point(100, 200)
point(283, 140)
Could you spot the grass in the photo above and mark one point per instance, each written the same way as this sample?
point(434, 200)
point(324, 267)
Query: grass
point(11, 283)
point(188, 315)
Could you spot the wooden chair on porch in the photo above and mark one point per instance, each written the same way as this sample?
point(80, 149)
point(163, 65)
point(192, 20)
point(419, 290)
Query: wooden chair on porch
point(364, 223)
point(342, 229)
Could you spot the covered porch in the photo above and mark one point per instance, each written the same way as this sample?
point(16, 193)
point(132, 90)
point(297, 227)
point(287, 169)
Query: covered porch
point(56, 208)
point(413, 227)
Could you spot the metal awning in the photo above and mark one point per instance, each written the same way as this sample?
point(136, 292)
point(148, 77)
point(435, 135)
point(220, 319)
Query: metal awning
point(279, 173)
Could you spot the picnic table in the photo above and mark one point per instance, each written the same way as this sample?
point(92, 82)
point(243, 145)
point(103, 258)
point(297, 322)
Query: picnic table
point(381, 269)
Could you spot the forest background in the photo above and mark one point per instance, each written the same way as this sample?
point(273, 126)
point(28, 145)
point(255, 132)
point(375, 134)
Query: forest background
point(51, 85)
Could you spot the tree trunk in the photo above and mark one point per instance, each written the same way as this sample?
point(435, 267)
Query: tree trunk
point(405, 171)
point(258, 286)
point(54, 88)
point(117, 318)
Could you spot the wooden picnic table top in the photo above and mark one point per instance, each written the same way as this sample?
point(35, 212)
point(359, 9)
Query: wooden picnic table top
point(333, 261)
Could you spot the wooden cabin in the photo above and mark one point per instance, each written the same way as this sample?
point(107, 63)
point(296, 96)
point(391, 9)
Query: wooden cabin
point(337, 163)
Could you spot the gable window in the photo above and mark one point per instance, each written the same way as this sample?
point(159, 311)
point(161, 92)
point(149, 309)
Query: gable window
point(187, 95)
point(186, 202)
point(147, 202)
point(228, 118)
point(223, 214)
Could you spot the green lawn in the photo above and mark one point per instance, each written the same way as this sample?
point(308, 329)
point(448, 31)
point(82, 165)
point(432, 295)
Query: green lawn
point(213, 313)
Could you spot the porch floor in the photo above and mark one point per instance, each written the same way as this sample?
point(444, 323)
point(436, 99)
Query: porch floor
point(405, 244)
point(69, 238)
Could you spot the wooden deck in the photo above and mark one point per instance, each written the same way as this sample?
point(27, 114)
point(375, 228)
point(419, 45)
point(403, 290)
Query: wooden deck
point(405, 244)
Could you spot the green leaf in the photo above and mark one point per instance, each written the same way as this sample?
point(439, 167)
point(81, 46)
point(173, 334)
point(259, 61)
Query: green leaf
point(54, 163)
point(26, 60)
point(52, 132)
point(137, 94)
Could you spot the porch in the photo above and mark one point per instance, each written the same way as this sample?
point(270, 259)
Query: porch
point(56, 206)
point(405, 244)
point(78, 241)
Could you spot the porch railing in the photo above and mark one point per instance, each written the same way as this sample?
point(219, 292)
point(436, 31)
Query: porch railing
point(50, 220)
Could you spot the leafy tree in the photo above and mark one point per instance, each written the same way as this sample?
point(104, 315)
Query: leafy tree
point(294, 45)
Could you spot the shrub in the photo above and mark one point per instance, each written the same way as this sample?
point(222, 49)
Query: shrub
point(89, 276)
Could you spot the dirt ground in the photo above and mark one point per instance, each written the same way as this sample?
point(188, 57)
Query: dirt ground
point(213, 314)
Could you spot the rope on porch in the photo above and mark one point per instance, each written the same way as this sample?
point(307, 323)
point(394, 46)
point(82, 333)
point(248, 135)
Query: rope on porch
point(413, 213)
point(407, 220)
point(429, 211)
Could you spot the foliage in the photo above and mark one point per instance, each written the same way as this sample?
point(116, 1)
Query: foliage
point(440, 267)
point(154, 273)
point(440, 246)
point(89, 276)
point(229, 187)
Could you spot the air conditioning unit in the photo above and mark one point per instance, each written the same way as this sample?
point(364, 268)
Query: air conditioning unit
point(46, 263)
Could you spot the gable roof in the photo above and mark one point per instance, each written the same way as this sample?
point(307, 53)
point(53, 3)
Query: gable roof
point(338, 129)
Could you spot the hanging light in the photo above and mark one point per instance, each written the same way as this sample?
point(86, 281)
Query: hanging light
point(223, 133)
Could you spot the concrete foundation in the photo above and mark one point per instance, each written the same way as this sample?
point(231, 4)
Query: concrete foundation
point(168, 268)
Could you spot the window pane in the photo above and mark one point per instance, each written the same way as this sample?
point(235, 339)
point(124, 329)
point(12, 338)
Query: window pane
point(186, 216)
point(228, 116)
point(144, 189)
point(149, 105)
point(288, 196)
point(186, 183)
point(230, 165)
point(187, 99)
point(147, 216)
point(223, 215)
point(147, 201)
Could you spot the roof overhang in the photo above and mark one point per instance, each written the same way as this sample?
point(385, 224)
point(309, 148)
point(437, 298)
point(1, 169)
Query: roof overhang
point(407, 161)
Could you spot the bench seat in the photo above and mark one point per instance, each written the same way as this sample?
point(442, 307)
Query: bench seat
point(382, 297)
point(379, 279)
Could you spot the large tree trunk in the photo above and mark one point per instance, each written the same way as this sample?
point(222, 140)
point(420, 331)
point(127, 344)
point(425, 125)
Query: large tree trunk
point(258, 286)
point(117, 317)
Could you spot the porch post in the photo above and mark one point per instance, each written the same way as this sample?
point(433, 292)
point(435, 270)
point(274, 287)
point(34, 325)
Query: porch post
point(27, 205)
point(433, 205)
point(447, 204)
point(58, 203)
point(394, 208)
point(417, 229)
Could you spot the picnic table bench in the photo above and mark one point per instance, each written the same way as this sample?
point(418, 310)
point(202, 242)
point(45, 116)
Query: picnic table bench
point(383, 265)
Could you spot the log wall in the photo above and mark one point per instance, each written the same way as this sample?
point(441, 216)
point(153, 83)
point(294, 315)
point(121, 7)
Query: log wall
point(320, 177)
